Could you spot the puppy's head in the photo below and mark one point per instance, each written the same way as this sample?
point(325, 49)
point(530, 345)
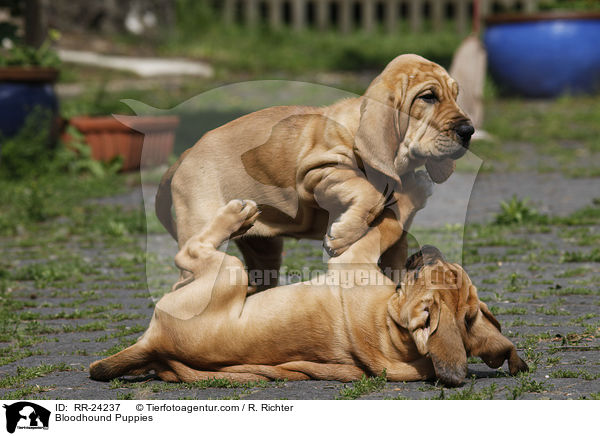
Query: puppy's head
point(409, 117)
point(440, 308)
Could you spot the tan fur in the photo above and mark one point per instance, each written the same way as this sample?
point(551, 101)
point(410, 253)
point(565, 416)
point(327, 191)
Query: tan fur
point(355, 322)
point(318, 171)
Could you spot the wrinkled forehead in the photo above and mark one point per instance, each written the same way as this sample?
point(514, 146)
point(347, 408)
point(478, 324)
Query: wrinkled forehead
point(439, 275)
point(419, 73)
point(446, 279)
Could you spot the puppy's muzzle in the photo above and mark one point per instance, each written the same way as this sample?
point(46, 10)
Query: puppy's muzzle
point(463, 132)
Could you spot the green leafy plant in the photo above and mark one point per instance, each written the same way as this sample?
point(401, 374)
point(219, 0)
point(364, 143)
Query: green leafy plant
point(28, 153)
point(19, 54)
point(517, 211)
point(365, 385)
point(97, 101)
point(77, 157)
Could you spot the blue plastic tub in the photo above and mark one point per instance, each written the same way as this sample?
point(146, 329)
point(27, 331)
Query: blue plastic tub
point(545, 55)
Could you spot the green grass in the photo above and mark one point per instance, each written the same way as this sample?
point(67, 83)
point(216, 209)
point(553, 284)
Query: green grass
point(516, 211)
point(122, 331)
point(364, 386)
point(18, 352)
point(579, 256)
point(521, 322)
point(300, 258)
point(87, 312)
point(569, 291)
point(24, 374)
point(554, 310)
point(508, 310)
point(543, 122)
point(563, 135)
point(26, 392)
point(24, 205)
point(469, 393)
point(211, 383)
point(51, 271)
point(524, 385)
point(567, 373)
point(240, 49)
point(580, 319)
point(574, 272)
point(515, 282)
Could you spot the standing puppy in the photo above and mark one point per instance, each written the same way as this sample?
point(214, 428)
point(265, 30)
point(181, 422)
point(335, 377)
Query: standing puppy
point(320, 172)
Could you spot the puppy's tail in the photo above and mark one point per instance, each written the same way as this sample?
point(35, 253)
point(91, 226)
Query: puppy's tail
point(132, 360)
point(164, 199)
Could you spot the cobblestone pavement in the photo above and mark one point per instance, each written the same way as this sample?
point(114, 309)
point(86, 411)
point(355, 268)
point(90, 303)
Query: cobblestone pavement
point(71, 299)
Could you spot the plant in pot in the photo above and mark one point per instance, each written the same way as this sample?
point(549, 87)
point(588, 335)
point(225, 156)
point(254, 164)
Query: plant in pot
point(27, 76)
point(137, 141)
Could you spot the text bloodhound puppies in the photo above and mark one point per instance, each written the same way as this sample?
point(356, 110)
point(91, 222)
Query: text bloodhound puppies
point(352, 323)
point(320, 172)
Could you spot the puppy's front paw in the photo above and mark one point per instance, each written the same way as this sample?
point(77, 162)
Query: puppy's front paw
point(238, 215)
point(342, 234)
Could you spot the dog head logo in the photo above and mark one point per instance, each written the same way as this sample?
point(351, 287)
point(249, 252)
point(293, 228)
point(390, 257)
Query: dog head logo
point(26, 415)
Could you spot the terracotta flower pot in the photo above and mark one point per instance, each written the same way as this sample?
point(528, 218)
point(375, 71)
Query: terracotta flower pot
point(142, 141)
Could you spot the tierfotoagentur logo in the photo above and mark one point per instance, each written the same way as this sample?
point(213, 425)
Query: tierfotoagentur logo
point(26, 416)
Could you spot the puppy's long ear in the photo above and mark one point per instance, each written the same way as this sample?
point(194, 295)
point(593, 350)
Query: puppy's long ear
point(445, 345)
point(490, 317)
point(485, 340)
point(378, 137)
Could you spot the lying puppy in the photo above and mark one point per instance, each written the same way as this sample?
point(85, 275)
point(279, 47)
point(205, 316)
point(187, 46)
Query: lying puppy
point(351, 322)
point(320, 172)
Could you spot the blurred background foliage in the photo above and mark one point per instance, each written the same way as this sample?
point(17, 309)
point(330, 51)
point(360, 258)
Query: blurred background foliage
point(574, 5)
point(566, 129)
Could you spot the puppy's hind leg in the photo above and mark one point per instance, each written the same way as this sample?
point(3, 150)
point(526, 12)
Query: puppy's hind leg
point(220, 281)
point(269, 371)
point(133, 360)
point(233, 219)
point(183, 373)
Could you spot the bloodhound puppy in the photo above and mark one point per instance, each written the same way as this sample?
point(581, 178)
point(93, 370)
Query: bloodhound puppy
point(350, 322)
point(320, 172)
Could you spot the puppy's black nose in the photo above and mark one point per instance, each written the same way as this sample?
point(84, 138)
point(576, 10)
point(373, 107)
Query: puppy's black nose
point(465, 131)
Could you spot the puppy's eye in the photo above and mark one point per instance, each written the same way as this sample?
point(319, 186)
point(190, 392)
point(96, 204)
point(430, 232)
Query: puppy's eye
point(429, 97)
